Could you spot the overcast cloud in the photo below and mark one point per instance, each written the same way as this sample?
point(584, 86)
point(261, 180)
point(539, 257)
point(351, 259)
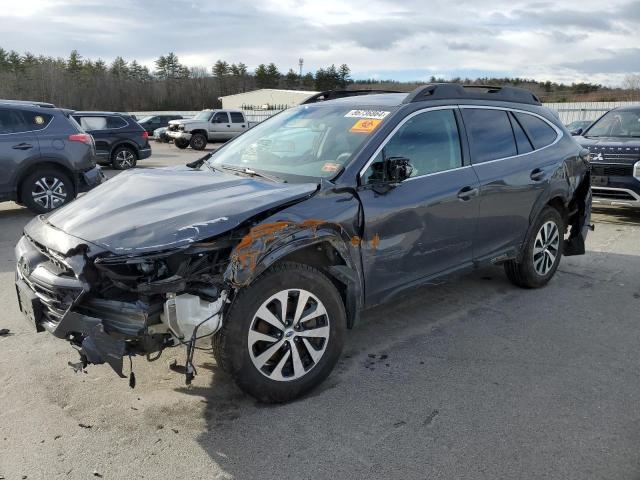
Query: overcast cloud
point(406, 40)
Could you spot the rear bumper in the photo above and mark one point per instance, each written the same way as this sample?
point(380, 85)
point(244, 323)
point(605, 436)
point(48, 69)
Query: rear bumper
point(144, 153)
point(90, 179)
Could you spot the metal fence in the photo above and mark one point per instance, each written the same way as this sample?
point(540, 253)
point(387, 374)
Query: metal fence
point(568, 112)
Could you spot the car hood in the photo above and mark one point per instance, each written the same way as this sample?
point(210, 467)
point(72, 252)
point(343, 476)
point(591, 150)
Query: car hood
point(163, 208)
point(186, 121)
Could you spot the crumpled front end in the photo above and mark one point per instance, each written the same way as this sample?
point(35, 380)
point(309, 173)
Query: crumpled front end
point(110, 307)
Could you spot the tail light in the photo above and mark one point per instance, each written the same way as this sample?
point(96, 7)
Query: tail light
point(81, 137)
point(145, 135)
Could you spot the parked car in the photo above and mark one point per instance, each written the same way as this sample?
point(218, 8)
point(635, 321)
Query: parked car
point(578, 126)
point(46, 159)
point(273, 244)
point(152, 122)
point(614, 143)
point(120, 140)
point(206, 126)
point(161, 135)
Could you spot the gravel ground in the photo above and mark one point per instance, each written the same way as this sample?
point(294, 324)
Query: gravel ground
point(470, 379)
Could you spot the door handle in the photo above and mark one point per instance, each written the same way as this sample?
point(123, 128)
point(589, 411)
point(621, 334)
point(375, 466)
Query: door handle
point(242, 126)
point(22, 146)
point(467, 193)
point(537, 175)
point(228, 126)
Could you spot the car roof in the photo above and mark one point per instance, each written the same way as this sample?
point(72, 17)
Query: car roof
point(96, 114)
point(381, 99)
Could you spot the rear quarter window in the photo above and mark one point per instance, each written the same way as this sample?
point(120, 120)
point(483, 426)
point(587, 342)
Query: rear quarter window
point(539, 131)
point(490, 134)
point(36, 120)
point(116, 122)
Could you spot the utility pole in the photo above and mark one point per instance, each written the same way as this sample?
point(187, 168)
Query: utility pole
point(300, 63)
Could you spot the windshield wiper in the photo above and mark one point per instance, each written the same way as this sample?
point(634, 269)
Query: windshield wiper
point(253, 173)
point(198, 163)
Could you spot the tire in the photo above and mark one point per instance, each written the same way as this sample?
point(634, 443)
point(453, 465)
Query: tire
point(259, 356)
point(542, 252)
point(198, 141)
point(180, 143)
point(124, 158)
point(46, 189)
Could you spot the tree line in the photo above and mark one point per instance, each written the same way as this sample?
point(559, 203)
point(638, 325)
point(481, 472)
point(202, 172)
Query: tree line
point(85, 84)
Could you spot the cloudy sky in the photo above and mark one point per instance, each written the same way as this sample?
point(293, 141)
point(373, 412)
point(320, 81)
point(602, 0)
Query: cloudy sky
point(585, 40)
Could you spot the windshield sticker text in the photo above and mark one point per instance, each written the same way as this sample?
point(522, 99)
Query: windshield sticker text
point(379, 114)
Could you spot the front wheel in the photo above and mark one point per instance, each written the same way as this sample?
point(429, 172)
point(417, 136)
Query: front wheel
point(181, 143)
point(198, 141)
point(542, 252)
point(283, 334)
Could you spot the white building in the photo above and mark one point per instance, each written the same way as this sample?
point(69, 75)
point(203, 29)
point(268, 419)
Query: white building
point(260, 99)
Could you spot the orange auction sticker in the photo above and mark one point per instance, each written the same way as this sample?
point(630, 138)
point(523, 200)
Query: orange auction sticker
point(365, 125)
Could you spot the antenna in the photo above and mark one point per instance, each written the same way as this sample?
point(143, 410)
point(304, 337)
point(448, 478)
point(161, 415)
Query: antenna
point(300, 63)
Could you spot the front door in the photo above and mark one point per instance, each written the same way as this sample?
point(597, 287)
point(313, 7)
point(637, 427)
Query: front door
point(423, 226)
point(220, 126)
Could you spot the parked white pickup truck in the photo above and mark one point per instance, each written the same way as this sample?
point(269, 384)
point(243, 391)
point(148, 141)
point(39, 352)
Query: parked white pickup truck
point(208, 125)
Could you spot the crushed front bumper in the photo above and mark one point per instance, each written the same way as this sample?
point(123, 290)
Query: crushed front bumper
point(179, 135)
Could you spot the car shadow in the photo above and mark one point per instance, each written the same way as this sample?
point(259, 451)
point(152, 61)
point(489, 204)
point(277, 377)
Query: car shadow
point(13, 218)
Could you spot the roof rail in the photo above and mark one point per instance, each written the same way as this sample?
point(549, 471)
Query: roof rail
point(333, 94)
point(27, 102)
point(454, 91)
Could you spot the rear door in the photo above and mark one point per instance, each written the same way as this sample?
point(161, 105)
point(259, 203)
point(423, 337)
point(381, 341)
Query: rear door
point(18, 147)
point(238, 123)
point(425, 225)
point(512, 172)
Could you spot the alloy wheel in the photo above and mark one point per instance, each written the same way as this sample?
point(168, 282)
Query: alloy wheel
point(49, 192)
point(288, 335)
point(125, 159)
point(545, 248)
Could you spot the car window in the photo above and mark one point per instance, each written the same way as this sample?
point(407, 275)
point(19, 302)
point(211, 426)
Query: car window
point(220, 117)
point(430, 141)
point(490, 134)
point(11, 122)
point(237, 117)
point(539, 131)
point(116, 122)
point(92, 123)
point(522, 141)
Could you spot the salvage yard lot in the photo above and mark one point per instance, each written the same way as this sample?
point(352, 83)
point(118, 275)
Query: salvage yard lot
point(470, 379)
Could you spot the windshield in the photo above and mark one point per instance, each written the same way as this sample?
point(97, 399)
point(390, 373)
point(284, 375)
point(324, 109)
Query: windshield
point(203, 115)
point(306, 141)
point(617, 123)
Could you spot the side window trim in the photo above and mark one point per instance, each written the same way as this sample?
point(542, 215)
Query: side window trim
point(559, 132)
point(390, 135)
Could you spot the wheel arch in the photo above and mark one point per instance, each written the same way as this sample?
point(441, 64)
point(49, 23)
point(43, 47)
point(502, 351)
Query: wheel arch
point(125, 143)
point(47, 162)
point(318, 245)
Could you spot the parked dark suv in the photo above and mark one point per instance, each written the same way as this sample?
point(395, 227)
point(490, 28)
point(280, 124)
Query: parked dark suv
point(120, 141)
point(46, 159)
point(614, 142)
point(153, 122)
point(273, 244)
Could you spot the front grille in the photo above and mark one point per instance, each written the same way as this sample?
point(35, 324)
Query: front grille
point(613, 157)
point(611, 170)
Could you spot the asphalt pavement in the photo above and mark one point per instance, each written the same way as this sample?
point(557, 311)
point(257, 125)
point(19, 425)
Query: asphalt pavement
point(471, 379)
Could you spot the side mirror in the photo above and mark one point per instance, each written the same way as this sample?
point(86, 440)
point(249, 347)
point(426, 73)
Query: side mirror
point(398, 169)
point(577, 132)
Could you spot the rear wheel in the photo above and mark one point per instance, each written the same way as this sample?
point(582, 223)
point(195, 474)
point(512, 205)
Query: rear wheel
point(198, 141)
point(124, 158)
point(542, 252)
point(46, 190)
point(181, 143)
point(283, 334)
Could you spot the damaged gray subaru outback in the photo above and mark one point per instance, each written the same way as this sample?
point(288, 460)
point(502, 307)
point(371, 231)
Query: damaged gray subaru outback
point(273, 245)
